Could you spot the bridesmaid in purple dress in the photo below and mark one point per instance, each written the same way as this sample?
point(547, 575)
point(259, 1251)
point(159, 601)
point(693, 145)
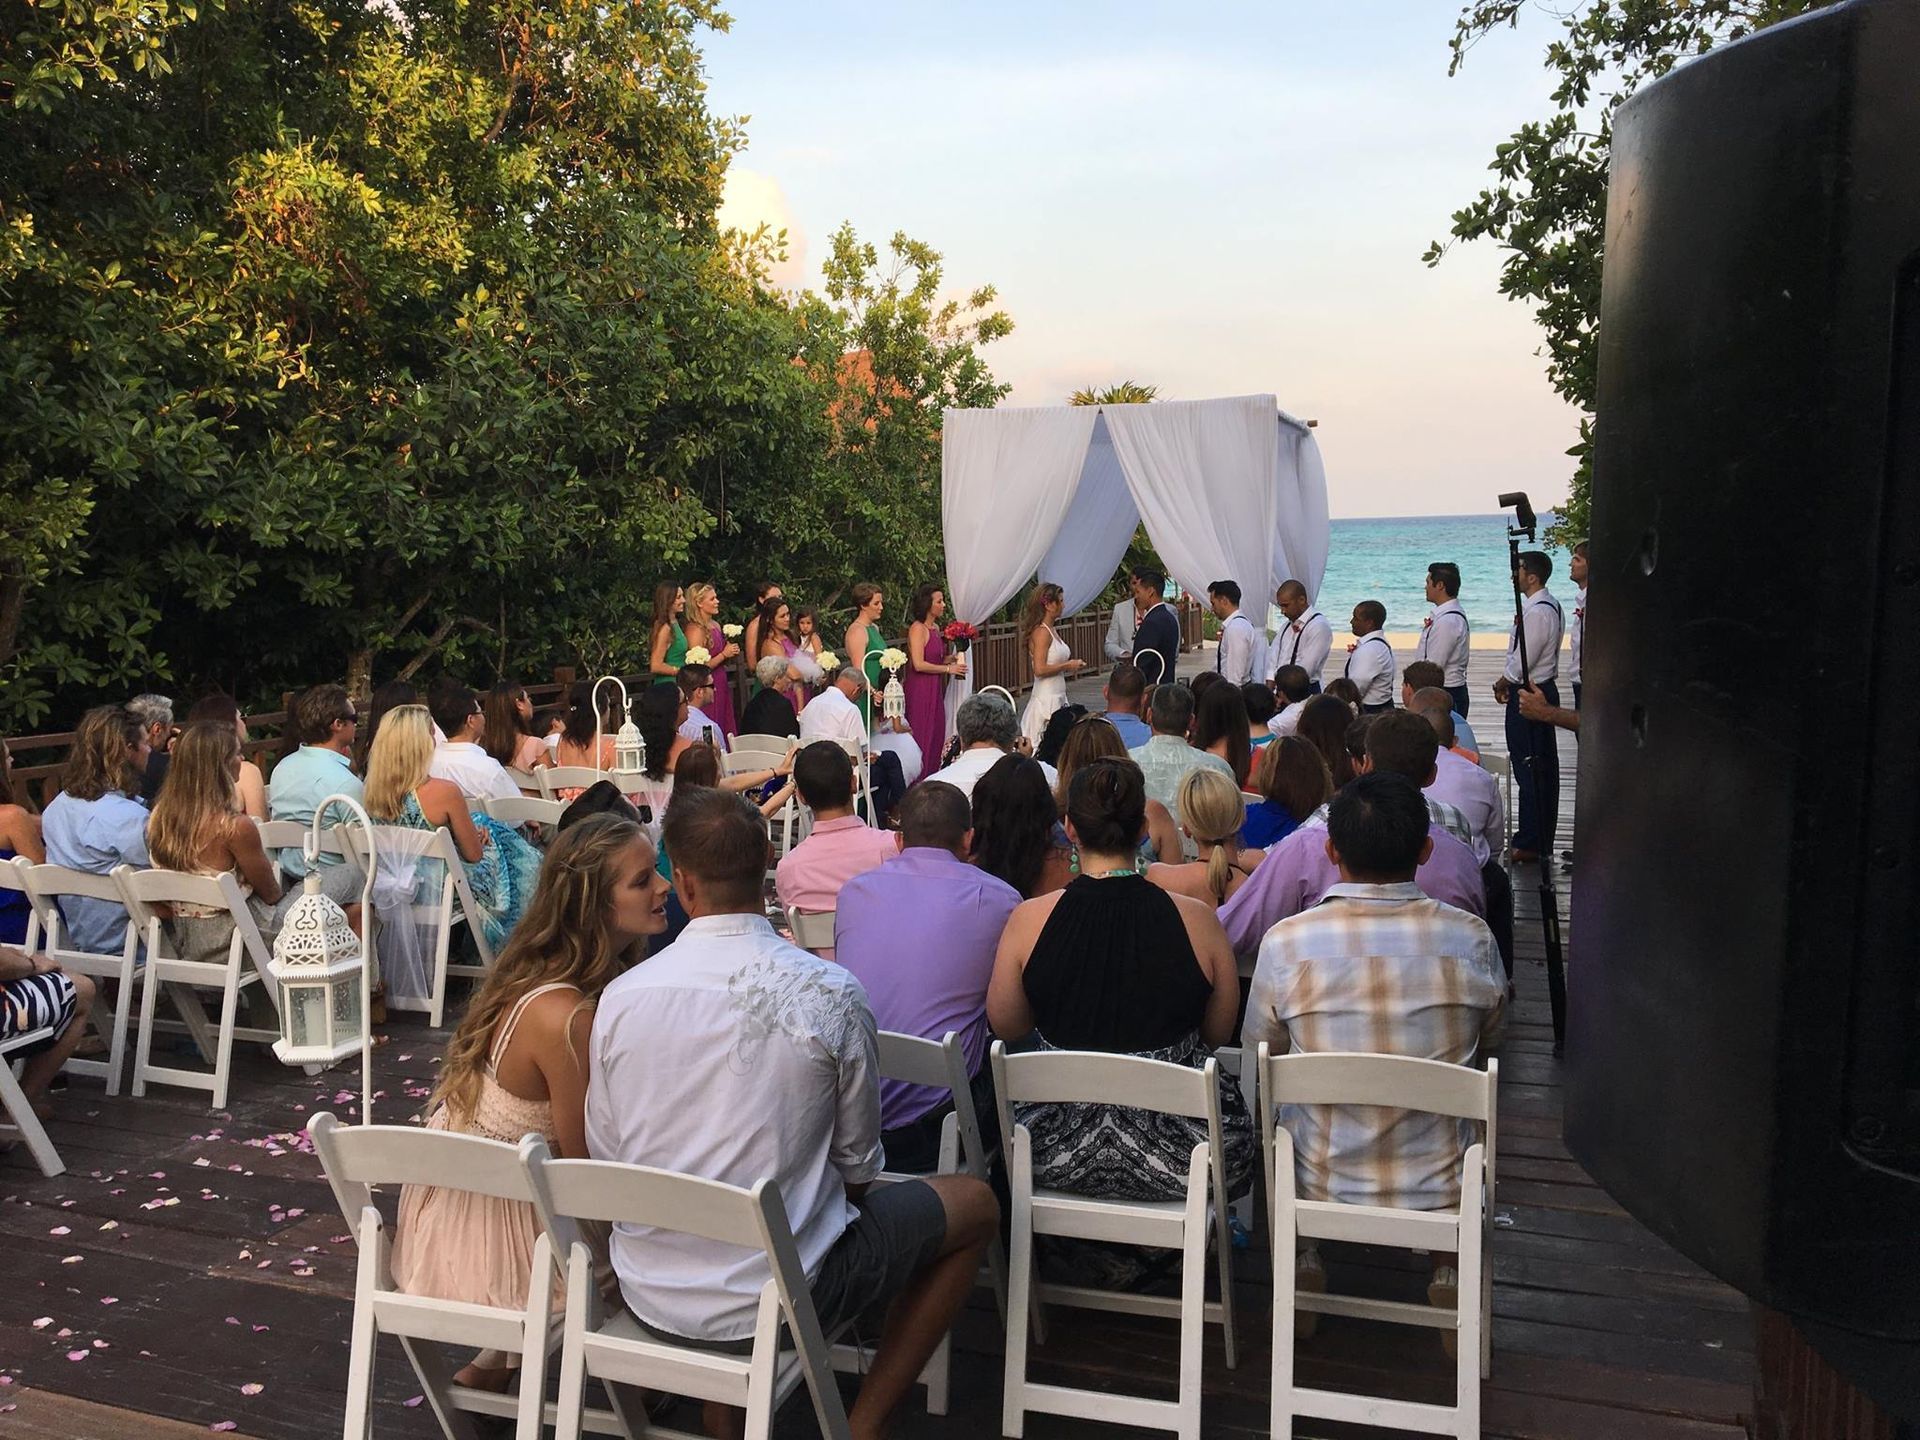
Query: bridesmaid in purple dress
point(704, 628)
point(925, 680)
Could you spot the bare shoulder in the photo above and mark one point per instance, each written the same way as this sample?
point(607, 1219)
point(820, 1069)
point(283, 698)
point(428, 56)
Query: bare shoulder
point(438, 795)
point(1030, 915)
point(1199, 916)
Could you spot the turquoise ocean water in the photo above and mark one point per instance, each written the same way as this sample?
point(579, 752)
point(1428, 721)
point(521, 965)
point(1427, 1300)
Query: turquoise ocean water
point(1386, 560)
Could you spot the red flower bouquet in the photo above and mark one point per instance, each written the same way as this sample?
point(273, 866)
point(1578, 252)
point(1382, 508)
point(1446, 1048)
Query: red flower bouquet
point(959, 636)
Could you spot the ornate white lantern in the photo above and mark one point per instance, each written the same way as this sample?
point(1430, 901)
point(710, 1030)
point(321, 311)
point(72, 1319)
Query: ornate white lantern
point(893, 699)
point(320, 966)
point(629, 750)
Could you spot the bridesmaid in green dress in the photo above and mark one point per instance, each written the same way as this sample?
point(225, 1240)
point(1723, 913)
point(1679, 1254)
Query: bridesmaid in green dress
point(865, 642)
point(668, 645)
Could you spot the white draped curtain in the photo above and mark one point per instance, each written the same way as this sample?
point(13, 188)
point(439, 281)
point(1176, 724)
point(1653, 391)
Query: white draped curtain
point(1229, 490)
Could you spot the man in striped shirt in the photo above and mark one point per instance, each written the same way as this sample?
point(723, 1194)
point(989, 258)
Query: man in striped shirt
point(1378, 967)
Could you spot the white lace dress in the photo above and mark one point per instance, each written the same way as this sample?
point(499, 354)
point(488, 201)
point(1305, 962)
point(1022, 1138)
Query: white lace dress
point(1049, 692)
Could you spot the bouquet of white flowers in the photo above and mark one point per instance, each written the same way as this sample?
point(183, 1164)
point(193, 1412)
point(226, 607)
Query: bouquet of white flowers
point(732, 632)
point(699, 655)
point(892, 659)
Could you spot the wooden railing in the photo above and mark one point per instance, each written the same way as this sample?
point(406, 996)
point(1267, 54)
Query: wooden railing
point(996, 659)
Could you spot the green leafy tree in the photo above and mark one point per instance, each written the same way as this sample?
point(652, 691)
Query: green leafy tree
point(1547, 207)
point(1127, 392)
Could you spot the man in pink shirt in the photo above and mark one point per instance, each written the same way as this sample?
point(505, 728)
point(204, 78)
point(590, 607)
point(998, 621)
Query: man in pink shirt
point(841, 846)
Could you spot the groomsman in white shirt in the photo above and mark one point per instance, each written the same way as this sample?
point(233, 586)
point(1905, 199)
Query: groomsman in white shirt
point(1446, 637)
point(1577, 622)
point(1532, 744)
point(1126, 619)
point(1371, 663)
point(1239, 646)
point(1307, 637)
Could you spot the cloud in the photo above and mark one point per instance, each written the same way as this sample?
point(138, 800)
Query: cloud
point(751, 199)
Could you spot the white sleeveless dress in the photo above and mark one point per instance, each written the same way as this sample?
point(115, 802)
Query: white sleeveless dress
point(1049, 692)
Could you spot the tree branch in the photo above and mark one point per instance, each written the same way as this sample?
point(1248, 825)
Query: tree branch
point(437, 639)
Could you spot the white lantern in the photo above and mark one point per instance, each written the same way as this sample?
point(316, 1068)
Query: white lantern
point(320, 966)
point(629, 750)
point(893, 697)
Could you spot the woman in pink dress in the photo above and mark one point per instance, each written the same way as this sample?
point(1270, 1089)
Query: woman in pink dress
point(703, 628)
point(928, 667)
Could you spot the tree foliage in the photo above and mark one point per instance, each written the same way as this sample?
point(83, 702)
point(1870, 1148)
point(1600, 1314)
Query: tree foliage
point(1547, 207)
point(339, 336)
point(1127, 392)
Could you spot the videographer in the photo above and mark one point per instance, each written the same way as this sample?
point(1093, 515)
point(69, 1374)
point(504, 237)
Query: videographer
point(1534, 749)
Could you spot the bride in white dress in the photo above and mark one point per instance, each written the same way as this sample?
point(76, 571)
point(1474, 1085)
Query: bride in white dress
point(1052, 661)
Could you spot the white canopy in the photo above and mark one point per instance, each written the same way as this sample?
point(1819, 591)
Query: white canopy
point(1229, 489)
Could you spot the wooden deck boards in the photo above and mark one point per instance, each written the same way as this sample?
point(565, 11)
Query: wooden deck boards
point(187, 1254)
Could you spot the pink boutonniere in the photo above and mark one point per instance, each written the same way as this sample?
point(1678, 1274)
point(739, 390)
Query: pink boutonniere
point(1427, 624)
point(1579, 612)
point(1353, 647)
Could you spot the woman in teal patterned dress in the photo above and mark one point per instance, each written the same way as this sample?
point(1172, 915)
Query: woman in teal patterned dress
point(865, 642)
point(667, 644)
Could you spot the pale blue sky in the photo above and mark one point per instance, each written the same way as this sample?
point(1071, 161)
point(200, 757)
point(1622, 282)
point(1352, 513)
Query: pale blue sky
point(1217, 198)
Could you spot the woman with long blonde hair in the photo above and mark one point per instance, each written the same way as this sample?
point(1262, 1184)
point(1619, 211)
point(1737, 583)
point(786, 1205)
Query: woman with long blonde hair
point(97, 822)
point(517, 1063)
point(501, 866)
point(1212, 810)
point(704, 629)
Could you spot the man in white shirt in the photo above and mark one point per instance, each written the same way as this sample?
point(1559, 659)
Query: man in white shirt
point(1577, 622)
point(988, 732)
point(1371, 663)
point(833, 715)
point(1307, 637)
point(734, 1056)
point(1292, 690)
point(1126, 619)
point(1533, 745)
point(459, 758)
point(1238, 651)
point(1446, 637)
point(697, 689)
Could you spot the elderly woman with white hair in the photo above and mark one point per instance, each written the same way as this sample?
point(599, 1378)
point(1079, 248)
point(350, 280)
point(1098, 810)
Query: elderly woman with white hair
point(770, 711)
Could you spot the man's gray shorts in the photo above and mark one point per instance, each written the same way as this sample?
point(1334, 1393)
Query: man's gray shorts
point(897, 1234)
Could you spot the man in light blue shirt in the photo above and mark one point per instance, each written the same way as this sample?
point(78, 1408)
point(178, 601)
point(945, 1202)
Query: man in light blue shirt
point(1125, 686)
point(1167, 757)
point(324, 722)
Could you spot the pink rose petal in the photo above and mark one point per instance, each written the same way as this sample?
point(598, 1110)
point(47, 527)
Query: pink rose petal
point(43, 1322)
point(78, 1354)
point(415, 1401)
point(252, 1387)
point(59, 1230)
point(258, 1328)
point(109, 1299)
point(224, 1425)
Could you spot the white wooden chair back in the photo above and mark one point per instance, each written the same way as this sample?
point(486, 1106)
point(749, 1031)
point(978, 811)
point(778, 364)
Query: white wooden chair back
point(776, 746)
point(528, 781)
point(616, 1351)
point(862, 774)
point(1430, 1087)
point(812, 929)
point(1079, 1077)
point(739, 762)
point(279, 835)
point(358, 1159)
point(552, 779)
point(13, 876)
point(45, 884)
point(528, 810)
point(148, 892)
point(449, 904)
point(1501, 768)
point(18, 1110)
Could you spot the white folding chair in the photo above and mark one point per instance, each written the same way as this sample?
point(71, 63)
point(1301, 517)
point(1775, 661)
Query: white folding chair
point(615, 1350)
point(527, 810)
point(20, 1119)
point(862, 775)
point(45, 884)
point(1429, 1087)
point(449, 904)
point(1501, 768)
point(527, 780)
point(550, 780)
point(281, 835)
point(1077, 1077)
point(776, 746)
point(357, 1158)
point(812, 929)
point(246, 965)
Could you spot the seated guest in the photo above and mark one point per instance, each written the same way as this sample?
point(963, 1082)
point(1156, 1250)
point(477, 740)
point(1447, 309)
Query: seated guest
point(1212, 811)
point(225, 709)
point(1116, 964)
point(1405, 744)
point(801, 1040)
point(197, 828)
point(517, 1065)
point(322, 720)
point(1292, 690)
point(1377, 966)
point(1425, 675)
point(1124, 690)
point(1220, 728)
point(459, 758)
point(1298, 871)
point(1323, 725)
point(1345, 691)
point(1371, 663)
point(1014, 829)
point(920, 932)
point(1260, 711)
point(987, 730)
point(698, 689)
point(1355, 740)
point(1463, 785)
point(841, 844)
point(19, 836)
point(1199, 685)
point(1293, 782)
point(1167, 757)
point(1062, 721)
point(95, 823)
point(501, 867)
point(36, 994)
point(576, 745)
point(768, 787)
point(508, 734)
point(155, 714)
point(1427, 702)
point(769, 711)
point(1094, 738)
point(833, 715)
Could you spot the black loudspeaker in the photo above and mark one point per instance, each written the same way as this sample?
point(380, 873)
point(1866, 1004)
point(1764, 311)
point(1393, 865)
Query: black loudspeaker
point(1744, 1048)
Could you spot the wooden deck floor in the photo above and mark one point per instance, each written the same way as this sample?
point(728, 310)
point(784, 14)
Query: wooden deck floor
point(188, 1256)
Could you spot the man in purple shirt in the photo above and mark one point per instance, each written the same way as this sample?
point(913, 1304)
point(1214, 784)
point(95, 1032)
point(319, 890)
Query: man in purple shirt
point(920, 933)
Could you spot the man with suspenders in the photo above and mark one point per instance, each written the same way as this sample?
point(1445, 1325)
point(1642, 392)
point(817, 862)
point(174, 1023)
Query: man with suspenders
point(1371, 663)
point(1306, 638)
point(1446, 638)
point(1532, 744)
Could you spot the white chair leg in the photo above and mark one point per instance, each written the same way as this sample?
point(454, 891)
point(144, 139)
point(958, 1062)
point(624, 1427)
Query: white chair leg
point(143, 1044)
point(117, 1040)
point(437, 1001)
point(1193, 1297)
point(1467, 1344)
point(13, 1100)
point(223, 1043)
point(1020, 1287)
point(1486, 1295)
point(1285, 1281)
point(359, 1409)
point(436, 1380)
point(573, 1365)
